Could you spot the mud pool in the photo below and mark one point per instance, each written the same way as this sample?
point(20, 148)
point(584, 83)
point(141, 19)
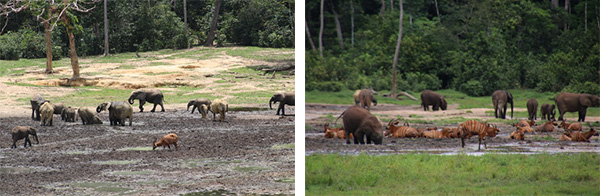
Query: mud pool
point(251, 153)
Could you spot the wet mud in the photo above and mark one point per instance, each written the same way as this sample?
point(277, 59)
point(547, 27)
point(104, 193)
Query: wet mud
point(251, 153)
point(315, 142)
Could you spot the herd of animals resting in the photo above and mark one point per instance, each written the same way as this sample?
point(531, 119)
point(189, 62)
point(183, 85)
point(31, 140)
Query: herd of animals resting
point(359, 123)
point(119, 111)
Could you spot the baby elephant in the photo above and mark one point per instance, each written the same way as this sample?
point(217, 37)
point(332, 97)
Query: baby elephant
point(47, 110)
point(196, 103)
point(68, 114)
point(219, 106)
point(88, 117)
point(20, 132)
point(288, 98)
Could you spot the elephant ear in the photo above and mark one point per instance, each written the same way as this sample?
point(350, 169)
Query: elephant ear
point(585, 101)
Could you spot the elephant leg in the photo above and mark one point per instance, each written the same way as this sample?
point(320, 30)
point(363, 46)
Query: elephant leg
point(368, 139)
point(130, 121)
point(14, 145)
point(504, 111)
point(154, 108)
point(359, 138)
point(27, 141)
point(282, 107)
point(582, 113)
point(560, 117)
point(194, 108)
point(142, 102)
point(214, 116)
point(162, 108)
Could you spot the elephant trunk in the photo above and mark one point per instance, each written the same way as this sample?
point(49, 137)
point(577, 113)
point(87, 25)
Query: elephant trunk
point(188, 106)
point(99, 109)
point(131, 98)
point(271, 101)
point(36, 139)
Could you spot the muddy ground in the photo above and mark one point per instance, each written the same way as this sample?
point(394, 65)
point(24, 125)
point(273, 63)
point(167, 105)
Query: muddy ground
point(251, 153)
point(316, 119)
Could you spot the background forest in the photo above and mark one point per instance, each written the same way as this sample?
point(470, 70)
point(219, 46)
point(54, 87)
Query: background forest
point(471, 46)
point(146, 25)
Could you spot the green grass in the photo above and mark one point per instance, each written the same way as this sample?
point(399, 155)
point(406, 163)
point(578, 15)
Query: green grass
point(425, 174)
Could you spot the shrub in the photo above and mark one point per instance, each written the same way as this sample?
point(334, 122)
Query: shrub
point(10, 46)
point(329, 86)
point(587, 87)
point(472, 88)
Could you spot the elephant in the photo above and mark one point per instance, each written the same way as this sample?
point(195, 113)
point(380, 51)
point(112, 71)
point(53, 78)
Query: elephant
point(68, 114)
point(501, 99)
point(147, 95)
point(532, 106)
point(36, 102)
point(571, 102)
point(204, 110)
point(219, 106)
point(548, 112)
point(356, 99)
point(196, 103)
point(47, 112)
point(58, 108)
point(88, 117)
point(360, 123)
point(117, 112)
point(287, 98)
point(434, 99)
point(366, 98)
point(20, 132)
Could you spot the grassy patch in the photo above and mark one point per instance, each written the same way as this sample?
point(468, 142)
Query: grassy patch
point(453, 175)
point(250, 169)
point(102, 186)
point(117, 162)
point(92, 96)
point(283, 146)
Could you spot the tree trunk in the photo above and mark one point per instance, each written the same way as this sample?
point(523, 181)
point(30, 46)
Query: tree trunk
point(338, 27)
point(48, 47)
point(321, 30)
point(312, 44)
point(105, 30)
point(566, 25)
point(391, 6)
point(382, 12)
point(554, 3)
point(585, 16)
point(352, 21)
point(437, 9)
point(213, 24)
point(72, 50)
point(185, 24)
point(395, 64)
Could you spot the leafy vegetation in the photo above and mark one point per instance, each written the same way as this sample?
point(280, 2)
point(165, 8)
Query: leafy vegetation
point(426, 174)
point(474, 47)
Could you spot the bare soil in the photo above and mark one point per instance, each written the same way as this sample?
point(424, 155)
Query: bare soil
point(533, 143)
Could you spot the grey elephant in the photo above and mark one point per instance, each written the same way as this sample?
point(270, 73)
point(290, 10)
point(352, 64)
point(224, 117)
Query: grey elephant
point(36, 102)
point(548, 112)
point(501, 99)
point(20, 132)
point(58, 108)
point(88, 117)
point(118, 111)
point(360, 123)
point(366, 98)
point(154, 96)
point(433, 99)
point(47, 112)
point(571, 102)
point(68, 114)
point(532, 106)
point(220, 107)
point(287, 98)
point(196, 103)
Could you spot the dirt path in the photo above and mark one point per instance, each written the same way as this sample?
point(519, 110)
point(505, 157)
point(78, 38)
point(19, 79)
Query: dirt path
point(316, 118)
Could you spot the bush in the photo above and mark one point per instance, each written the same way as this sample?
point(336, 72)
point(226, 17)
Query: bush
point(329, 86)
point(10, 46)
point(587, 87)
point(472, 88)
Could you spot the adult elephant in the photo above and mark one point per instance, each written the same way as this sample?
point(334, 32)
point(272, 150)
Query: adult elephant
point(360, 123)
point(366, 98)
point(433, 99)
point(287, 98)
point(118, 111)
point(154, 96)
point(36, 102)
point(501, 99)
point(571, 102)
point(532, 106)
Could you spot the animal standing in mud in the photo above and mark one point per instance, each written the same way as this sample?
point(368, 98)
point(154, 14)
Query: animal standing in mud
point(88, 117)
point(548, 111)
point(532, 106)
point(154, 96)
point(47, 110)
point(571, 102)
point(501, 99)
point(201, 104)
point(287, 98)
point(166, 140)
point(36, 102)
point(433, 99)
point(472, 127)
point(366, 98)
point(58, 108)
point(118, 111)
point(20, 132)
point(68, 114)
point(360, 122)
point(219, 106)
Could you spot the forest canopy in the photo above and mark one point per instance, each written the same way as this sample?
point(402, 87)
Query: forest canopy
point(475, 47)
point(147, 25)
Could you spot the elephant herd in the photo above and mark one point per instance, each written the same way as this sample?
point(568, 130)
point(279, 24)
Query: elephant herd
point(357, 120)
point(120, 111)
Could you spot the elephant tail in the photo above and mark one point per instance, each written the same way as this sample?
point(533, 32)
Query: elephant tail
point(335, 123)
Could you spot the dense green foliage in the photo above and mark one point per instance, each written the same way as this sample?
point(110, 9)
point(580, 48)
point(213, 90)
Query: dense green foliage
point(475, 47)
point(140, 25)
point(425, 174)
